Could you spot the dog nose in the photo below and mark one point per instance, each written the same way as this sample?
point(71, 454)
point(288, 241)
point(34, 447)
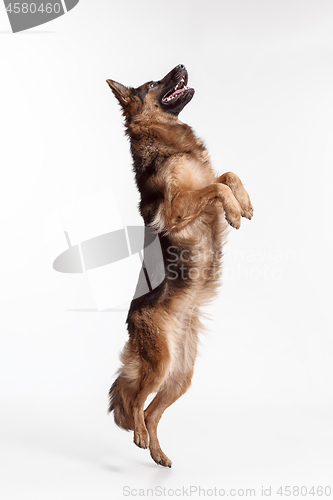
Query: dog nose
point(181, 66)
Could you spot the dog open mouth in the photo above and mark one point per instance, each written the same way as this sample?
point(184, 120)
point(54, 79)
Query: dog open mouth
point(175, 92)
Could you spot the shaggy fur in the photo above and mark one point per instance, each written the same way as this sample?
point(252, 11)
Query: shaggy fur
point(190, 207)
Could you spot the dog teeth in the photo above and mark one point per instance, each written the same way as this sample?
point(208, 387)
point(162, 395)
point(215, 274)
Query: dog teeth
point(180, 86)
point(172, 96)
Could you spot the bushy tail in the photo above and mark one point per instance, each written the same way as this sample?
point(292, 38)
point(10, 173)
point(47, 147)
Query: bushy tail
point(122, 395)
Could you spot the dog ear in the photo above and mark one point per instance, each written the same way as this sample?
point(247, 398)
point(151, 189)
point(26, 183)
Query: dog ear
point(121, 92)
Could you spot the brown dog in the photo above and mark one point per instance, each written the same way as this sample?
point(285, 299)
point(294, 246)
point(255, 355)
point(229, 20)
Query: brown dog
point(186, 203)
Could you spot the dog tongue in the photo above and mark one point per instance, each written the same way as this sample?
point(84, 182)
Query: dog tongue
point(178, 91)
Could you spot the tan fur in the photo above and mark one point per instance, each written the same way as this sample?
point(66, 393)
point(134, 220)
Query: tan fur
point(191, 216)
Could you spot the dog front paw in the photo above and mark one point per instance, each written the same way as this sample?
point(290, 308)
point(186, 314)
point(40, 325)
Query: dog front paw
point(248, 211)
point(235, 184)
point(233, 223)
point(233, 213)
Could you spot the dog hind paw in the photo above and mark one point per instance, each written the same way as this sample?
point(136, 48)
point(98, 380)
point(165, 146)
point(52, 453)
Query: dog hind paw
point(141, 438)
point(160, 458)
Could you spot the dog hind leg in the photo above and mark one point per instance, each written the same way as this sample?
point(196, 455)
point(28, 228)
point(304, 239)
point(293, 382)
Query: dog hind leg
point(171, 390)
point(151, 380)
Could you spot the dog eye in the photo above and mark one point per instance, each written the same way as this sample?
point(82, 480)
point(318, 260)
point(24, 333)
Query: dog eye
point(152, 84)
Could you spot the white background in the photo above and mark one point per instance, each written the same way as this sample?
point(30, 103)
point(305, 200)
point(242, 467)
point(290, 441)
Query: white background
point(260, 410)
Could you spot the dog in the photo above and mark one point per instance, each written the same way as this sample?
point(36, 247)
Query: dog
point(190, 207)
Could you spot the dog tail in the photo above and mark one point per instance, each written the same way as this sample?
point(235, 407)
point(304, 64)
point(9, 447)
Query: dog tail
point(122, 394)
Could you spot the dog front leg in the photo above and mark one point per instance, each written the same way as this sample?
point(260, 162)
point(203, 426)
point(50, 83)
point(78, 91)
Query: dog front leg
point(235, 184)
point(188, 205)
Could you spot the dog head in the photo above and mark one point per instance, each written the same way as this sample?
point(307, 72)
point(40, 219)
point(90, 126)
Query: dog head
point(169, 95)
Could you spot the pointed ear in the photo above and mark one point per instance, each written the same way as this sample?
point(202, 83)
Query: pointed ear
point(121, 92)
